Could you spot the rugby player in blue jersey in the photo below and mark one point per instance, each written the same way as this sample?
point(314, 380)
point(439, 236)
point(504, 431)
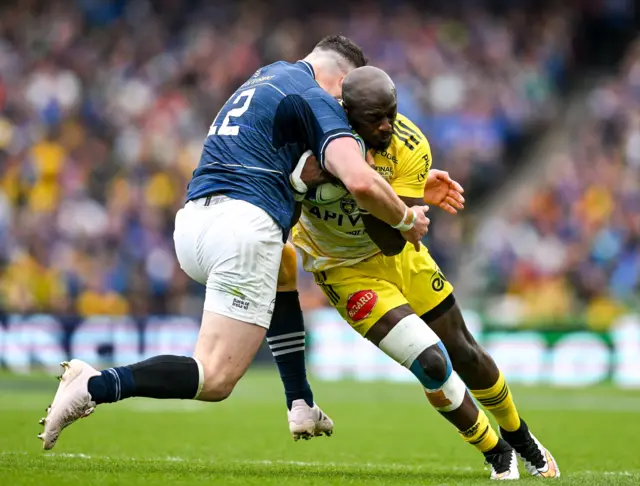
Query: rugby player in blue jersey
point(231, 232)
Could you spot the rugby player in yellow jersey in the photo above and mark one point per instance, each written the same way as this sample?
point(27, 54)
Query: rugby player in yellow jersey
point(382, 296)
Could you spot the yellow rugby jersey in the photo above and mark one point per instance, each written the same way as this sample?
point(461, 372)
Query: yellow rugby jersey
point(333, 235)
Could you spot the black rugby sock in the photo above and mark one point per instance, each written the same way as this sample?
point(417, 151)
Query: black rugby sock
point(286, 338)
point(158, 377)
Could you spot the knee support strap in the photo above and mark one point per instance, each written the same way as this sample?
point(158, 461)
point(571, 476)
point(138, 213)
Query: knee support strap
point(405, 342)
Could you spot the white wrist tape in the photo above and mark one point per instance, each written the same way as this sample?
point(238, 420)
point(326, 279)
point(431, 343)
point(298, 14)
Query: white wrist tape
point(299, 187)
point(402, 226)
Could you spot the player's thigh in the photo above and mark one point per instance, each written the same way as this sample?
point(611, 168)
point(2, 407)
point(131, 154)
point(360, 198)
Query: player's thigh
point(240, 253)
point(190, 223)
point(361, 300)
point(288, 272)
point(238, 247)
point(423, 283)
point(234, 248)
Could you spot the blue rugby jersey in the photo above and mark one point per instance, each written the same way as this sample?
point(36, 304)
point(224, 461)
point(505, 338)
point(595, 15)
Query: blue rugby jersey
point(260, 133)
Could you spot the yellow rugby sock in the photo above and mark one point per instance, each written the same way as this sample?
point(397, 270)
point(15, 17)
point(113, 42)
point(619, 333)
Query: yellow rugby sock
point(481, 435)
point(499, 402)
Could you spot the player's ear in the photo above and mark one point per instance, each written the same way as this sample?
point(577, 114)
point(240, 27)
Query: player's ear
point(340, 81)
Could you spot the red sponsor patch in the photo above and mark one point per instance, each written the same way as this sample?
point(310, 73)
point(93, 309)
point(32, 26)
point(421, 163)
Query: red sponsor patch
point(360, 304)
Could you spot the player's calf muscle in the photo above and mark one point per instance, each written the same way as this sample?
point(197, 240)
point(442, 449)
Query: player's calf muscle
point(469, 359)
point(225, 347)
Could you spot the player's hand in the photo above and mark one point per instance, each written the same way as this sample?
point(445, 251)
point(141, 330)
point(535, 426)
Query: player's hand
point(312, 174)
point(444, 192)
point(420, 227)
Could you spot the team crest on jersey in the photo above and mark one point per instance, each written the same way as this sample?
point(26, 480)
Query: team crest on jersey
point(360, 304)
point(347, 205)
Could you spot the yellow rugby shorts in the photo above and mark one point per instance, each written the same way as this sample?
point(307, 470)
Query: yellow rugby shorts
point(365, 292)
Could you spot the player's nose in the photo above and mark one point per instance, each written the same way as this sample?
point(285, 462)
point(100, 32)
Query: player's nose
point(385, 125)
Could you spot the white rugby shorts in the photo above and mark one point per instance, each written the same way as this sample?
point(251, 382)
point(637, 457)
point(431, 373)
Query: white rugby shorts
point(234, 248)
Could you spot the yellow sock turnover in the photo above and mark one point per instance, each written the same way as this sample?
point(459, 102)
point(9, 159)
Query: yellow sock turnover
point(481, 435)
point(499, 402)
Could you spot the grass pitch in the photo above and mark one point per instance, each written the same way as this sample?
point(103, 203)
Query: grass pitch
point(385, 434)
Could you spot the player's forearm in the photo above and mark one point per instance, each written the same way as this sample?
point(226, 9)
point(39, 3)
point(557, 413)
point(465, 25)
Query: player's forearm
point(369, 189)
point(378, 198)
point(389, 240)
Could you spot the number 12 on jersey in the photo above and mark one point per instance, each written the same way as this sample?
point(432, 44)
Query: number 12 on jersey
point(225, 128)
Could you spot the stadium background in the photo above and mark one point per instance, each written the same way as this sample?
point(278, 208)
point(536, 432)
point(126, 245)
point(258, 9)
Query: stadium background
point(533, 106)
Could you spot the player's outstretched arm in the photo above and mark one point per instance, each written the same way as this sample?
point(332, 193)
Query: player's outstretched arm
point(389, 240)
point(442, 191)
point(372, 192)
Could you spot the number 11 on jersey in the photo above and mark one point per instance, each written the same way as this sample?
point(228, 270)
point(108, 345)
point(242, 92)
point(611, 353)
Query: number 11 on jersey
point(225, 128)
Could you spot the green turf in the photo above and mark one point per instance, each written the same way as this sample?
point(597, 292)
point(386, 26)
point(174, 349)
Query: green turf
point(385, 434)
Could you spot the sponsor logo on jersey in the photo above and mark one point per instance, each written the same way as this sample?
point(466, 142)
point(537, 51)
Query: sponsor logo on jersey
point(272, 305)
point(261, 79)
point(241, 304)
point(427, 161)
point(437, 281)
point(386, 172)
point(360, 304)
point(387, 155)
point(335, 218)
point(347, 205)
point(422, 176)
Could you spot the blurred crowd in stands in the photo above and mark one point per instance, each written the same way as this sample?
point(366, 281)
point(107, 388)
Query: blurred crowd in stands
point(104, 105)
point(574, 249)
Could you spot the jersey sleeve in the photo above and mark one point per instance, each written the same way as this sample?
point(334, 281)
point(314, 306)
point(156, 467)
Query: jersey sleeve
point(313, 117)
point(328, 121)
point(414, 162)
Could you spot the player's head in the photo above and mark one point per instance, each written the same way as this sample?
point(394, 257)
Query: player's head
point(369, 97)
point(332, 59)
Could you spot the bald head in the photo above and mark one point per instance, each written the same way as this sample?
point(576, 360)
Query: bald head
point(369, 97)
point(368, 85)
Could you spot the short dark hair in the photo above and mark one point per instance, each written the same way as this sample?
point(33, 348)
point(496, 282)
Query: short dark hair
point(344, 46)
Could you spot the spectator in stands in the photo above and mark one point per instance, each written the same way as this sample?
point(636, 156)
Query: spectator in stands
point(103, 106)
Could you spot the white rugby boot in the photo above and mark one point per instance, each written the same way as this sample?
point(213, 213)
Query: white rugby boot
point(536, 458)
point(306, 422)
point(503, 464)
point(71, 402)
